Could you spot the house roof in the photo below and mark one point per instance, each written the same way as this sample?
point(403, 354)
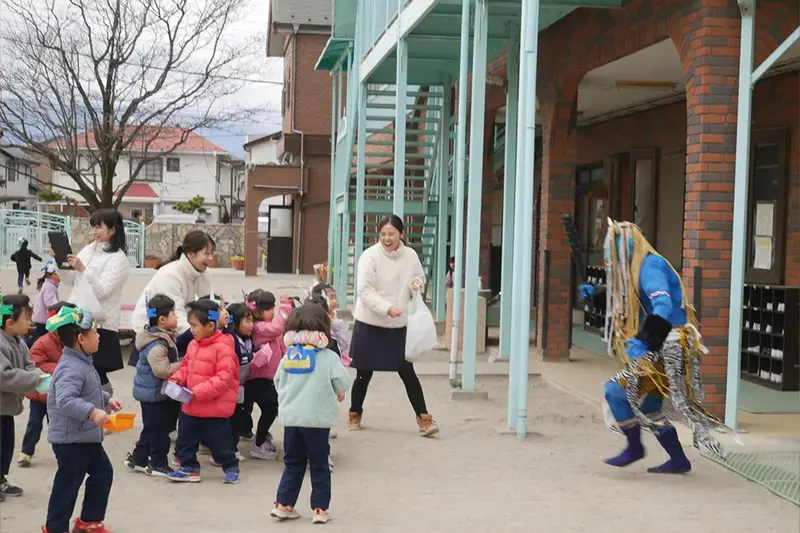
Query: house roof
point(163, 141)
point(311, 16)
point(139, 190)
point(308, 12)
point(258, 139)
point(16, 152)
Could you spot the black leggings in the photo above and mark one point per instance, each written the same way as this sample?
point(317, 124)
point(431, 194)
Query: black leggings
point(410, 380)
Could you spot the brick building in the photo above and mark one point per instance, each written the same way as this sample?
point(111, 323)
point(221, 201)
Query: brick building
point(298, 31)
point(636, 104)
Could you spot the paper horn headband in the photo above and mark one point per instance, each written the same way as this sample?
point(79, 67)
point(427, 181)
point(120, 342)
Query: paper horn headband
point(70, 315)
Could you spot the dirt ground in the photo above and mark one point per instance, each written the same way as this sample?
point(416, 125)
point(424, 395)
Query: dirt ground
point(469, 479)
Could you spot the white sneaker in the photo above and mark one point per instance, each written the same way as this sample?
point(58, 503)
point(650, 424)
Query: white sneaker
point(330, 463)
point(240, 456)
point(284, 513)
point(264, 452)
point(320, 517)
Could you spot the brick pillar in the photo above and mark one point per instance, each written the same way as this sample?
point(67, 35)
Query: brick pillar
point(487, 199)
point(708, 42)
point(558, 107)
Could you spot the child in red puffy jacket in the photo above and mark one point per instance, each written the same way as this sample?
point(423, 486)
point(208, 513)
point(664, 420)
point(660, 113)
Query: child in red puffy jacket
point(210, 370)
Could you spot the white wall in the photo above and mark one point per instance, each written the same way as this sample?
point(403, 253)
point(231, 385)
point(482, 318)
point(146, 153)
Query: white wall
point(197, 175)
point(262, 153)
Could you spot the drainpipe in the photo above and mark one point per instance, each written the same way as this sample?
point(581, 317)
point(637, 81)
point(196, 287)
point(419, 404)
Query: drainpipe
point(302, 190)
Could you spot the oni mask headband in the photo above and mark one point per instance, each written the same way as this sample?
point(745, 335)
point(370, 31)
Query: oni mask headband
point(70, 315)
point(49, 268)
point(5, 309)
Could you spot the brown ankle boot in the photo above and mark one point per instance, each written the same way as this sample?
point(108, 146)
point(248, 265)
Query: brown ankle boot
point(354, 421)
point(427, 427)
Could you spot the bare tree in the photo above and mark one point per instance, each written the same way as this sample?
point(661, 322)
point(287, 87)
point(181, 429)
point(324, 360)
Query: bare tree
point(86, 82)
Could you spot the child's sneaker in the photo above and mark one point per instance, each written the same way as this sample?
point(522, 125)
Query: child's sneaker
point(231, 476)
point(158, 471)
point(132, 465)
point(24, 460)
point(266, 452)
point(284, 512)
point(184, 475)
point(247, 436)
point(8, 490)
point(88, 527)
point(321, 516)
point(174, 462)
point(330, 463)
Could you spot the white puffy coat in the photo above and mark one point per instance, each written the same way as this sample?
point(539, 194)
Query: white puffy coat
point(106, 273)
point(180, 281)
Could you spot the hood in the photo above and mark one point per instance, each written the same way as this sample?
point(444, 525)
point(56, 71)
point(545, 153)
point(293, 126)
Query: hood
point(150, 334)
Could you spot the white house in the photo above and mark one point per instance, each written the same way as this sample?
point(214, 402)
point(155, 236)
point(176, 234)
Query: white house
point(17, 189)
point(194, 168)
point(263, 150)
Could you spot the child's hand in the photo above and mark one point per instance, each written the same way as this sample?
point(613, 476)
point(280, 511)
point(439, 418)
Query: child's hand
point(340, 397)
point(114, 405)
point(99, 417)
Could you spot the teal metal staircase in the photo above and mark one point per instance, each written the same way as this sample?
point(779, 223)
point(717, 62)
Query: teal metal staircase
point(422, 172)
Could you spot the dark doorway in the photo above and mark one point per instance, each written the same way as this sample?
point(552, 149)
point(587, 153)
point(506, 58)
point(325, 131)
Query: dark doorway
point(279, 239)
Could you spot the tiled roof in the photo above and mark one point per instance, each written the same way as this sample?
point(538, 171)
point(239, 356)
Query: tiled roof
point(164, 141)
point(140, 190)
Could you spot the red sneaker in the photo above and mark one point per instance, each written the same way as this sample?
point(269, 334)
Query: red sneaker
point(89, 527)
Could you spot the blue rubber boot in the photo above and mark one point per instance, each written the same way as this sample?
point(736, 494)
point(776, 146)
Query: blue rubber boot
point(633, 452)
point(678, 462)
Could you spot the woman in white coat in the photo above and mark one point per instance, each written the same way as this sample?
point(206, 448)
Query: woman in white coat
point(183, 279)
point(101, 270)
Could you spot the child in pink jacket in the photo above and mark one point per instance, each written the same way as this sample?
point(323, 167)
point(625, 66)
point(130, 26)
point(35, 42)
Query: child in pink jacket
point(259, 387)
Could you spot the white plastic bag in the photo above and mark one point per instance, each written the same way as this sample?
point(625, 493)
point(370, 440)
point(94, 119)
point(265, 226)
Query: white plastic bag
point(83, 296)
point(421, 334)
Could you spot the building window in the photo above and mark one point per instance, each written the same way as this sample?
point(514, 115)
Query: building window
point(173, 164)
point(142, 212)
point(11, 170)
point(151, 171)
point(85, 167)
point(767, 205)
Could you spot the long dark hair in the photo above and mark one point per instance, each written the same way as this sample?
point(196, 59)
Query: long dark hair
point(111, 218)
point(193, 242)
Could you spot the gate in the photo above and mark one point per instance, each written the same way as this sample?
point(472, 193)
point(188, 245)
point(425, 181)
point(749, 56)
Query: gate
point(134, 237)
point(31, 225)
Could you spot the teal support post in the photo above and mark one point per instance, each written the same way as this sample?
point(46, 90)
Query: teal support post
point(476, 149)
point(361, 177)
point(509, 193)
point(458, 195)
point(509, 184)
point(332, 214)
point(743, 124)
point(401, 102)
point(443, 193)
point(523, 212)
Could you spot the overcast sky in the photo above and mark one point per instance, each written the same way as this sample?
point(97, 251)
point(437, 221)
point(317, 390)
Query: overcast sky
point(232, 138)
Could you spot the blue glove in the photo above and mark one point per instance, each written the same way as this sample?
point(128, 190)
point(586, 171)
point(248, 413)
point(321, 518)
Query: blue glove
point(635, 349)
point(587, 290)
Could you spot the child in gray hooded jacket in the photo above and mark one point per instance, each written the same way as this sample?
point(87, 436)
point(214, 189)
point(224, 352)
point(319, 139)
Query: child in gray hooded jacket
point(78, 407)
point(18, 375)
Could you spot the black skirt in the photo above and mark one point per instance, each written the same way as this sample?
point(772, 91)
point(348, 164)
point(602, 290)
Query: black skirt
point(109, 356)
point(377, 349)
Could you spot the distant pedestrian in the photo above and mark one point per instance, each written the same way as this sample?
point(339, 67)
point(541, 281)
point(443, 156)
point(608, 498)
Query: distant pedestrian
point(22, 258)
